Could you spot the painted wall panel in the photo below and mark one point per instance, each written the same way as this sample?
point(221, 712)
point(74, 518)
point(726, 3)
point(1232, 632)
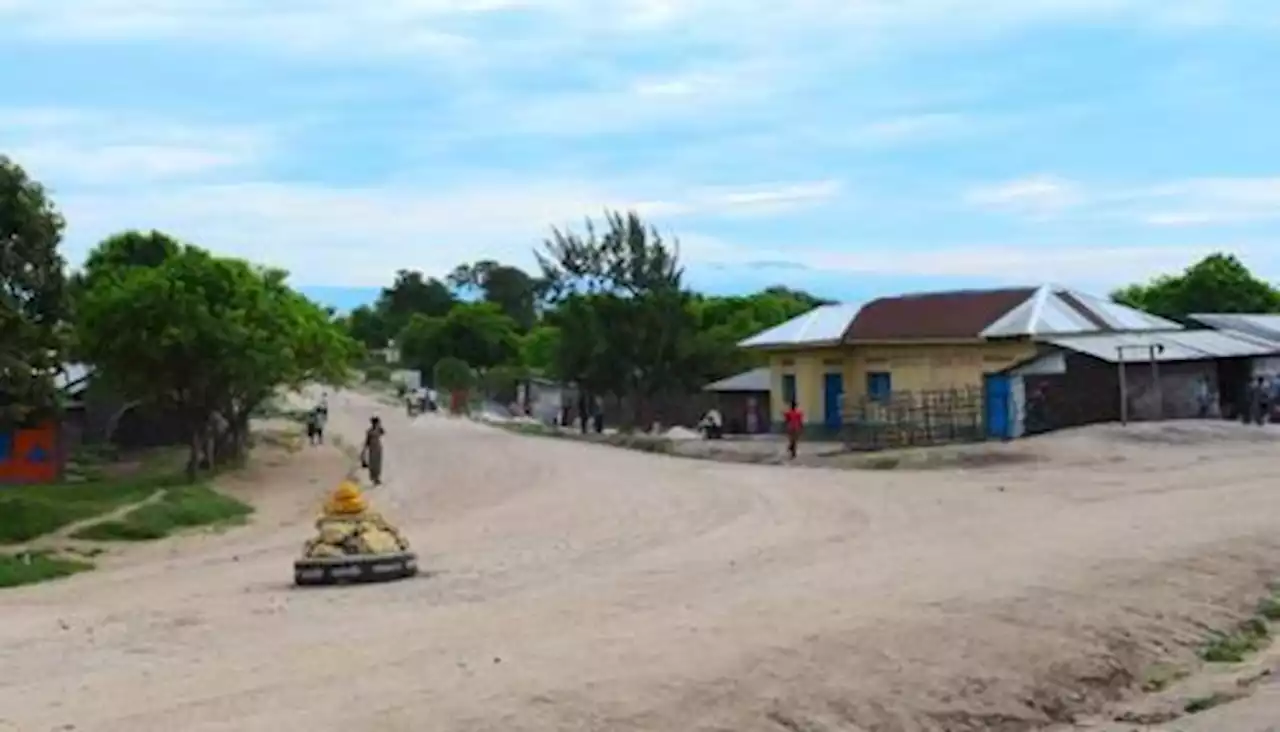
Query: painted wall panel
point(30, 455)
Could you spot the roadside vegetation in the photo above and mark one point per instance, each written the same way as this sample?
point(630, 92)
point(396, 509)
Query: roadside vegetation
point(103, 500)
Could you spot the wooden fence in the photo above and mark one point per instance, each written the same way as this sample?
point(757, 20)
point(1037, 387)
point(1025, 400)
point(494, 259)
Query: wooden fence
point(914, 418)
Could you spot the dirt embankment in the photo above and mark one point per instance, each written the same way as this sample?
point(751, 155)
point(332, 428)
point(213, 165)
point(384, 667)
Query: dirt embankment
point(582, 587)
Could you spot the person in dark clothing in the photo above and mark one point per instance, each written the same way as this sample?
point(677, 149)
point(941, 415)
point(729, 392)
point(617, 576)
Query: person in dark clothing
point(1259, 402)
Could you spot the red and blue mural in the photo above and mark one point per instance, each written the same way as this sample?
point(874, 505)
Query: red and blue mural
point(30, 455)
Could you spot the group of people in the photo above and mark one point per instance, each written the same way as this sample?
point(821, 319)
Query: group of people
point(1260, 399)
point(370, 451)
point(317, 418)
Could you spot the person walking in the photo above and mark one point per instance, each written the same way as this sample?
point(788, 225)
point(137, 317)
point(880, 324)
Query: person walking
point(793, 419)
point(371, 454)
point(315, 426)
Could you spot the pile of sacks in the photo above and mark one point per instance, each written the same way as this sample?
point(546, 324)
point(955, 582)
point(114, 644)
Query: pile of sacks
point(349, 528)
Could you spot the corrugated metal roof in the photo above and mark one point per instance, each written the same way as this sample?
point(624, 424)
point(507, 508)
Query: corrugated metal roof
point(73, 377)
point(1057, 310)
point(955, 314)
point(753, 380)
point(1264, 326)
point(1186, 345)
point(823, 325)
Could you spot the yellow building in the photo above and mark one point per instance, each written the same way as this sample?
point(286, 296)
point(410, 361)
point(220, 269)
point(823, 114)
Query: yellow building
point(837, 355)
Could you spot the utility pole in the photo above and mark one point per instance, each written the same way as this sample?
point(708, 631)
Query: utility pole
point(1153, 352)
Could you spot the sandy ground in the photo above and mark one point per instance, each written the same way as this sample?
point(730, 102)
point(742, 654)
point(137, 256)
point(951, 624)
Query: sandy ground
point(582, 587)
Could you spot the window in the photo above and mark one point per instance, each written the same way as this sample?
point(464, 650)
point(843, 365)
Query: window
point(788, 389)
point(879, 386)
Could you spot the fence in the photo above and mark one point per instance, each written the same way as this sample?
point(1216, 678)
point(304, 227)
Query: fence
point(914, 418)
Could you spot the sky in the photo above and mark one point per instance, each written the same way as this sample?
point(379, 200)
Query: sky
point(850, 147)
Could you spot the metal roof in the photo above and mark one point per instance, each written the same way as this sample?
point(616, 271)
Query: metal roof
point(824, 325)
point(73, 377)
point(1264, 326)
point(1186, 345)
point(753, 380)
point(1057, 310)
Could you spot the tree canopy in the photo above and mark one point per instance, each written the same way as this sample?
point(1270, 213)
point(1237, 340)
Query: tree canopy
point(210, 337)
point(32, 297)
point(607, 309)
point(1219, 283)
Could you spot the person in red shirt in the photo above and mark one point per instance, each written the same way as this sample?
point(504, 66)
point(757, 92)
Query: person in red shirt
point(793, 418)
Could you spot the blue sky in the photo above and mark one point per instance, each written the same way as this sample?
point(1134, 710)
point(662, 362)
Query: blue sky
point(852, 147)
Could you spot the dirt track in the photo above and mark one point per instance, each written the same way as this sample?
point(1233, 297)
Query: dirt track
point(581, 587)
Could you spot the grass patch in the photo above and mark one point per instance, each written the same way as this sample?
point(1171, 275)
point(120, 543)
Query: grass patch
point(1269, 607)
point(1205, 703)
point(29, 568)
point(28, 512)
point(1248, 637)
point(181, 507)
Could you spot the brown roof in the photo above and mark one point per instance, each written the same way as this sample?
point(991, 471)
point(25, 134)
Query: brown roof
point(960, 314)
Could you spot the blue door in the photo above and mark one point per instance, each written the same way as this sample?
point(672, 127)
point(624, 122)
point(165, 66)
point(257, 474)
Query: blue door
point(833, 397)
point(788, 390)
point(879, 386)
point(996, 411)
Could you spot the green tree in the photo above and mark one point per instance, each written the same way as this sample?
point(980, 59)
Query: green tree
point(510, 288)
point(33, 301)
point(368, 326)
point(210, 337)
point(1219, 283)
point(412, 293)
point(453, 375)
point(626, 322)
point(478, 333)
point(126, 250)
point(538, 350)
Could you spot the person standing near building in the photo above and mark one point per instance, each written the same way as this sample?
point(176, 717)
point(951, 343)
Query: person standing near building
point(793, 421)
point(1204, 397)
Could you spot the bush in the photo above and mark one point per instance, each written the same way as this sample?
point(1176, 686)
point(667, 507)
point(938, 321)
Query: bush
point(378, 373)
point(32, 567)
point(27, 512)
point(182, 507)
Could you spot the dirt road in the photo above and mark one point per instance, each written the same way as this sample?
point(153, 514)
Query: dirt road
point(580, 587)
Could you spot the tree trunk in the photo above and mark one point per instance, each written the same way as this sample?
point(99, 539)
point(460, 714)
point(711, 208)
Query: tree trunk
point(196, 445)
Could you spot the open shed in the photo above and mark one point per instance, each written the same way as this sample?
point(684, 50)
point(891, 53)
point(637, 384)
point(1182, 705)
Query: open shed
point(743, 401)
point(1084, 379)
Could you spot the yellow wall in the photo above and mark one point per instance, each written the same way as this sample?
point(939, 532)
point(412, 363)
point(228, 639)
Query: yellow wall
point(926, 367)
point(912, 367)
point(809, 368)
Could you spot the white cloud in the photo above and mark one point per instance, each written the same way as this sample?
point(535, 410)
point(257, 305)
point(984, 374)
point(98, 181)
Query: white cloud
point(1038, 196)
point(1180, 203)
point(1213, 201)
point(70, 148)
point(1026, 263)
point(570, 27)
point(361, 236)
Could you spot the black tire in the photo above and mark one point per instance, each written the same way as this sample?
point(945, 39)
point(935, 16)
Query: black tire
point(356, 569)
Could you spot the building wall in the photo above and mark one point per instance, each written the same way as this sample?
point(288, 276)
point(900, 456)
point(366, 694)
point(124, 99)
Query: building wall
point(912, 367)
point(808, 367)
point(1089, 391)
point(932, 367)
point(31, 455)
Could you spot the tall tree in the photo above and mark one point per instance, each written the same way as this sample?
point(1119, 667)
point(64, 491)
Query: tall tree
point(1219, 283)
point(625, 319)
point(208, 336)
point(32, 297)
point(369, 327)
point(412, 293)
point(477, 333)
point(510, 288)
